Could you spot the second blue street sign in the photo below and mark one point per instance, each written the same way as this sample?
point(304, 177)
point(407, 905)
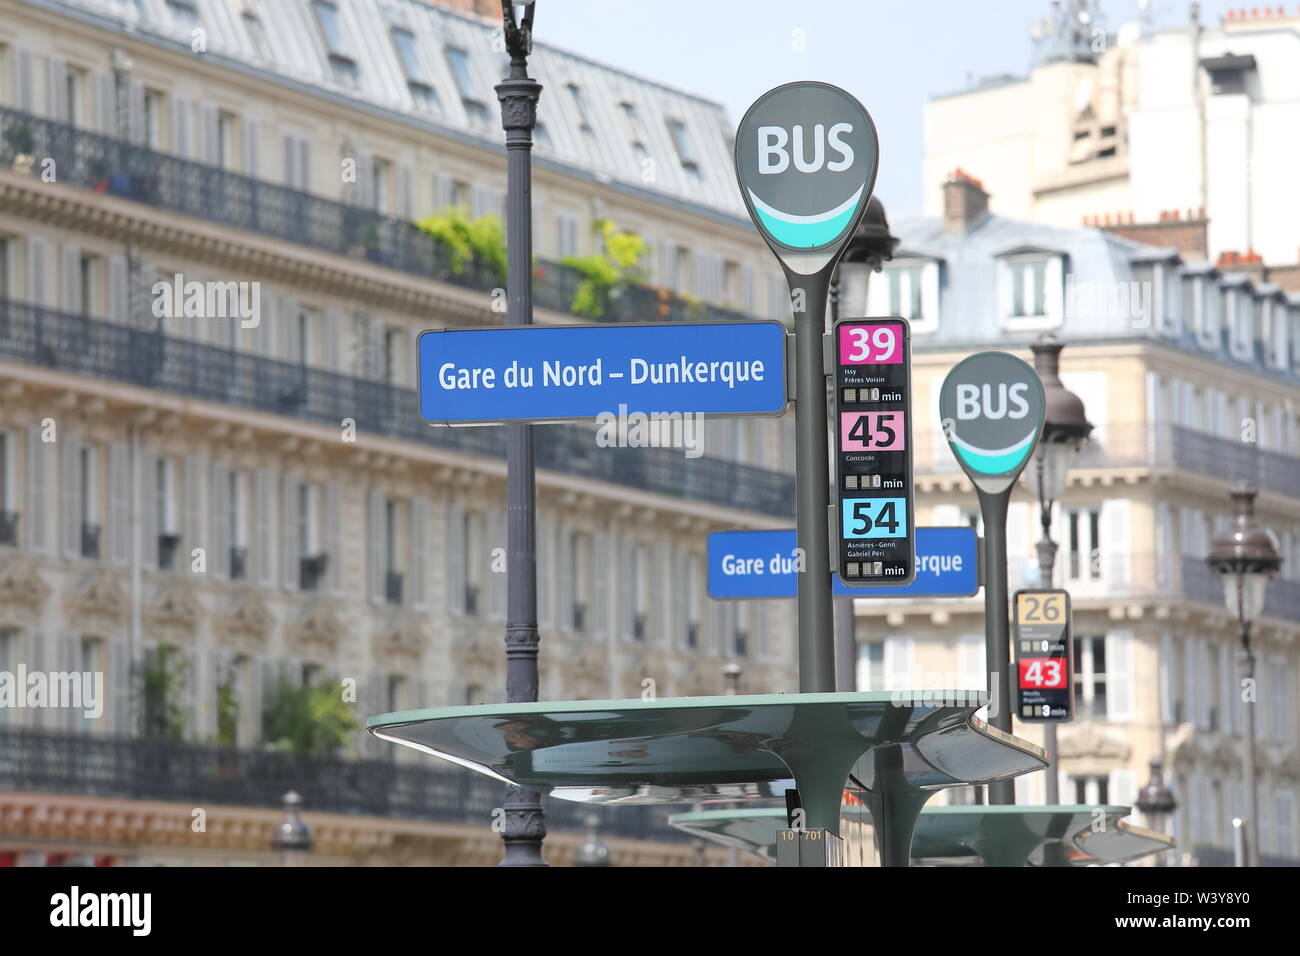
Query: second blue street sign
point(541, 373)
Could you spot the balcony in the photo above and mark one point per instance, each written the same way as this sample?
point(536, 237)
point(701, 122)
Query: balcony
point(118, 168)
point(9, 528)
point(205, 775)
point(35, 335)
point(90, 540)
point(1157, 446)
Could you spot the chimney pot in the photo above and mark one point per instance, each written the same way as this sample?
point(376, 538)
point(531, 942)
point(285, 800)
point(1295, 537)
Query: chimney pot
point(965, 202)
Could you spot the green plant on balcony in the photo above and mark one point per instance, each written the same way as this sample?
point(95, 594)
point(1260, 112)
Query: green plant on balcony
point(481, 240)
point(608, 272)
point(162, 686)
point(309, 720)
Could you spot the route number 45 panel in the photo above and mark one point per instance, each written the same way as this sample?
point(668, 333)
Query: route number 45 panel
point(873, 451)
point(1044, 656)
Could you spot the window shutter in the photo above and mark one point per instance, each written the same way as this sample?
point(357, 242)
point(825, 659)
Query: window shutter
point(290, 341)
point(564, 584)
point(1123, 787)
point(366, 194)
point(1168, 688)
point(39, 456)
point(70, 494)
point(664, 598)
point(56, 91)
point(252, 147)
point(668, 264)
point(147, 462)
point(600, 555)
point(334, 339)
point(420, 552)
point(454, 558)
point(900, 661)
point(748, 280)
point(375, 532)
point(291, 548)
point(106, 103)
point(442, 190)
point(623, 570)
point(118, 304)
point(70, 278)
point(135, 130)
point(118, 702)
point(263, 530)
point(971, 656)
point(405, 204)
point(180, 127)
point(289, 158)
point(24, 99)
point(1228, 689)
point(67, 651)
point(333, 538)
point(118, 524)
point(38, 289)
point(1192, 674)
point(192, 535)
point(495, 581)
point(219, 516)
point(1119, 675)
point(546, 571)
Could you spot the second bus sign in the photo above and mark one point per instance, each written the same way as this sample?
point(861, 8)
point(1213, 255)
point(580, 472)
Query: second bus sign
point(873, 452)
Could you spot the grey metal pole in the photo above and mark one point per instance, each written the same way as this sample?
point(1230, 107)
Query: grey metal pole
point(524, 824)
point(1246, 663)
point(997, 626)
point(1046, 564)
point(846, 646)
point(812, 489)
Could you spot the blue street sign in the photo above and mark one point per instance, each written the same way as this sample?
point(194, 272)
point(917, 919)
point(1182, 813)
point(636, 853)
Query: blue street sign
point(563, 373)
point(761, 564)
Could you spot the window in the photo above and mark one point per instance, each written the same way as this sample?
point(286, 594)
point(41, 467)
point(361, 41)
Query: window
point(417, 81)
point(1032, 290)
point(89, 290)
point(225, 140)
point(1091, 791)
point(8, 516)
point(692, 602)
point(907, 288)
point(1284, 810)
point(1090, 677)
point(153, 110)
point(308, 346)
point(238, 523)
point(9, 644)
point(1083, 542)
point(183, 10)
point(89, 505)
point(581, 555)
point(340, 54)
point(393, 355)
point(740, 633)
point(638, 571)
point(871, 666)
point(566, 234)
point(579, 105)
point(383, 175)
point(394, 549)
point(76, 82)
point(4, 269)
point(473, 537)
point(685, 149)
point(458, 60)
point(168, 540)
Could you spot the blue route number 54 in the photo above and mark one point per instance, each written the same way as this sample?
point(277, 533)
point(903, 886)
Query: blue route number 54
point(875, 517)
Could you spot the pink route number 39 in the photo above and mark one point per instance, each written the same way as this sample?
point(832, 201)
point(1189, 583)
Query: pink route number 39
point(871, 344)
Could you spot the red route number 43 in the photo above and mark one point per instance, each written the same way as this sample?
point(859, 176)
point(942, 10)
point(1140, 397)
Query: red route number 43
point(1042, 672)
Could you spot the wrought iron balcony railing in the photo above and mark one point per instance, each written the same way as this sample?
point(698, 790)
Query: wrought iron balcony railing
point(204, 775)
point(74, 343)
point(122, 169)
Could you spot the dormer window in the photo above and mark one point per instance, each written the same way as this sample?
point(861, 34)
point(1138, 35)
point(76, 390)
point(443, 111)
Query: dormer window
point(1031, 289)
point(458, 61)
point(340, 54)
point(906, 287)
point(685, 149)
point(417, 80)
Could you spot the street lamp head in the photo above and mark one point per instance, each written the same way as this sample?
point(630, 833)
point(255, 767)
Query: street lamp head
point(872, 243)
point(517, 20)
point(1065, 421)
point(1155, 800)
point(1246, 555)
point(592, 852)
point(293, 833)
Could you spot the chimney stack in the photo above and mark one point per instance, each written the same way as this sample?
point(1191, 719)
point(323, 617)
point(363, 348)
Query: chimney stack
point(965, 203)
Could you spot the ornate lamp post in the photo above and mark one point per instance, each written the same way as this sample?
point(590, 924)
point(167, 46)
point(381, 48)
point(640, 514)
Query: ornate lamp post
point(1245, 555)
point(1065, 428)
point(292, 838)
point(525, 824)
point(1156, 802)
point(871, 246)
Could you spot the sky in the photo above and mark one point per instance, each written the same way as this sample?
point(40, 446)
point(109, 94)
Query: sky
point(892, 55)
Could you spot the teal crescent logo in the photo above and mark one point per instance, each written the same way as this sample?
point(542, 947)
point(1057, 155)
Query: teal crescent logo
point(806, 232)
point(995, 461)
